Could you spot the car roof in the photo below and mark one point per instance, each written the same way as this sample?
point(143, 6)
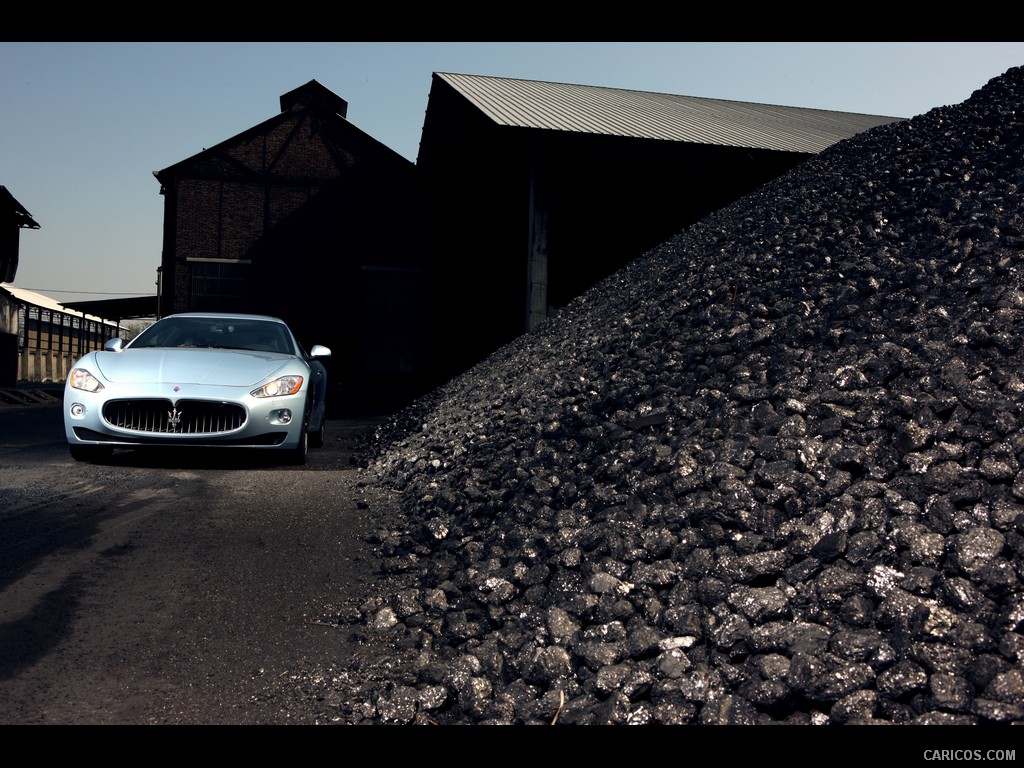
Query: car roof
point(226, 316)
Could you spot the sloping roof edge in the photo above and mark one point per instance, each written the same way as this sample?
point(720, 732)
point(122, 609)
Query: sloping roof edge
point(26, 296)
point(285, 114)
point(22, 216)
point(643, 114)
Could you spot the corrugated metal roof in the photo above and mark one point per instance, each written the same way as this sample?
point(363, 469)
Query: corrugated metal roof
point(642, 114)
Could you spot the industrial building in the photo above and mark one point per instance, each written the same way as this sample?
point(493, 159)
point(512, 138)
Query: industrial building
point(523, 195)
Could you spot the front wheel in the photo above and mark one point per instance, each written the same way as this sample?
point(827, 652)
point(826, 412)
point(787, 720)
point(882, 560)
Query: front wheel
point(316, 439)
point(299, 452)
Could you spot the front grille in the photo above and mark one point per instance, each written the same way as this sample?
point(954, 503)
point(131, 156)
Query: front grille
point(187, 417)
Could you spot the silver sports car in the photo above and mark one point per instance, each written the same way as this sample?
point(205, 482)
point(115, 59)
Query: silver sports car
point(199, 380)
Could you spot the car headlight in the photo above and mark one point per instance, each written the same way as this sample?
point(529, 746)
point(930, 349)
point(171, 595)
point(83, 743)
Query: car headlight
point(286, 385)
point(82, 379)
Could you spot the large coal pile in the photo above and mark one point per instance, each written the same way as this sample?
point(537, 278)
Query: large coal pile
point(771, 472)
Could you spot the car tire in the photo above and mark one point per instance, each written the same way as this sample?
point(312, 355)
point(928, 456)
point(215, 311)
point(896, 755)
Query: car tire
point(91, 453)
point(317, 439)
point(299, 452)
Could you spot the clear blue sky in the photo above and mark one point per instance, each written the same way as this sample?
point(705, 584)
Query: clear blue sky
point(85, 124)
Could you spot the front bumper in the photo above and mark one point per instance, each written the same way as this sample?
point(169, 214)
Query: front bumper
point(208, 416)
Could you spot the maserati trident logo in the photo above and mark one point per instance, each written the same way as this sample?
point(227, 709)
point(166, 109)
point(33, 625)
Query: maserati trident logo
point(174, 420)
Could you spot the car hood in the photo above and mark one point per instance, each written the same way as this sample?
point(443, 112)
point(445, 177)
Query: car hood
point(220, 367)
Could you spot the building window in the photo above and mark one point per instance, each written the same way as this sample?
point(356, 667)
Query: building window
point(218, 286)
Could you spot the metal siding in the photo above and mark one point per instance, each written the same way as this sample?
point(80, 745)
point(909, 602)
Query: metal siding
point(641, 114)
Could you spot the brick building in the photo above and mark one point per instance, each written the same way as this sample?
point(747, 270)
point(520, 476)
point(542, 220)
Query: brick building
point(308, 218)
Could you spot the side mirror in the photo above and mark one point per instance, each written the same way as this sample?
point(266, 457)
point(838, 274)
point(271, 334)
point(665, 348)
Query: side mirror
point(114, 345)
point(319, 350)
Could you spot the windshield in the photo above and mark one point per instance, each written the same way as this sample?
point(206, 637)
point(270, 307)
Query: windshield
point(217, 332)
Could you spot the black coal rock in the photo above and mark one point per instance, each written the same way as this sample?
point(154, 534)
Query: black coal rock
point(770, 472)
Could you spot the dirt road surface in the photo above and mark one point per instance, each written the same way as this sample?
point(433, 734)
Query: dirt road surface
point(170, 588)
